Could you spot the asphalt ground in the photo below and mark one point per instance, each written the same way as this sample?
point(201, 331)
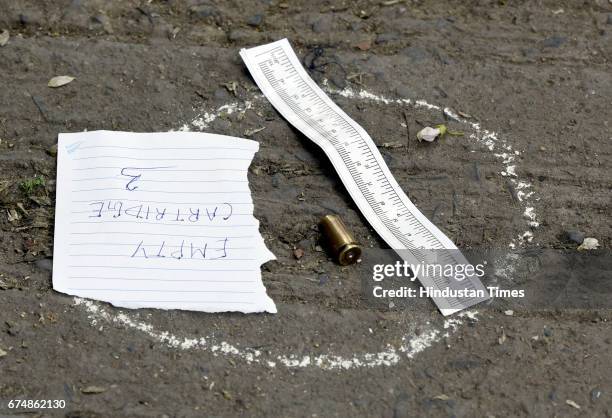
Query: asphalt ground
point(537, 76)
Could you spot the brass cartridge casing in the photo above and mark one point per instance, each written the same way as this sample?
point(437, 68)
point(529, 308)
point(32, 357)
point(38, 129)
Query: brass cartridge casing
point(339, 240)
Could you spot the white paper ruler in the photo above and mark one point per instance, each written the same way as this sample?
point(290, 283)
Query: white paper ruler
point(280, 76)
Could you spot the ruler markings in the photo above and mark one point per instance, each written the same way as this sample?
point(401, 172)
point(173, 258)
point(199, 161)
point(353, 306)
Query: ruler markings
point(332, 125)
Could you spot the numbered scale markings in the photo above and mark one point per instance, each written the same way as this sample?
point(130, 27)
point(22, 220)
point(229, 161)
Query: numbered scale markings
point(279, 74)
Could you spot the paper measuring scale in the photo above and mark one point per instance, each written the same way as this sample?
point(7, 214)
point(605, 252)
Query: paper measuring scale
point(286, 84)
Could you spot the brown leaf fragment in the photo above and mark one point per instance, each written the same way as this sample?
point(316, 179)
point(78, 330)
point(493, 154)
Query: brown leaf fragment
point(364, 45)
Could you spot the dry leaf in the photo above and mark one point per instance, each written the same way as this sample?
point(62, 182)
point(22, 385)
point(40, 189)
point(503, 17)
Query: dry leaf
point(232, 87)
point(572, 404)
point(93, 390)
point(13, 215)
point(4, 37)
point(391, 2)
point(22, 208)
point(364, 45)
point(251, 132)
point(428, 134)
point(391, 145)
point(589, 244)
point(59, 81)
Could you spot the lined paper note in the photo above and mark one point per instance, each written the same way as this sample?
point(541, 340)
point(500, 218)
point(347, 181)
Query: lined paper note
point(158, 220)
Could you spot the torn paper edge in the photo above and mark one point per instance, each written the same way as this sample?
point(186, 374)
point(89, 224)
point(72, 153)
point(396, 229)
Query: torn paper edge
point(264, 253)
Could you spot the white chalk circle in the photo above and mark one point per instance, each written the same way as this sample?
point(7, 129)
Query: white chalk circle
point(389, 354)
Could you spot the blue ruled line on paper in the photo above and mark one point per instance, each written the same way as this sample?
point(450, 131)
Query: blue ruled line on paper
point(114, 246)
point(73, 147)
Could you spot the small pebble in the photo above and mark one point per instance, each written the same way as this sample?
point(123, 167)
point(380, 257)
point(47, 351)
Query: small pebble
point(575, 236)
point(305, 243)
point(239, 35)
point(547, 332)
point(402, 408)
point(203, 11)
point(276, 180)
point(609, 20)
point(221, 94)
point(386, 37)
point(104, 21)
point(509, 312)
point(416, 54)
point(255, 20)
point(2, 353)
point(403, 91)
point(323, 278)
point(323, 25)
point(298, 253)
point(595, 394)
point(52, 150)
point(44, 264)
point(13, 328)
point(554, 41)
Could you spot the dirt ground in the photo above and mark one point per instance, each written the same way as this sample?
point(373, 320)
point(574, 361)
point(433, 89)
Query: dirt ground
point(537, 73)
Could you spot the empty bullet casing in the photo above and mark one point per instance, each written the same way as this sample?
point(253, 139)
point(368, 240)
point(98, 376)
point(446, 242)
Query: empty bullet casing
point(339, 240)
